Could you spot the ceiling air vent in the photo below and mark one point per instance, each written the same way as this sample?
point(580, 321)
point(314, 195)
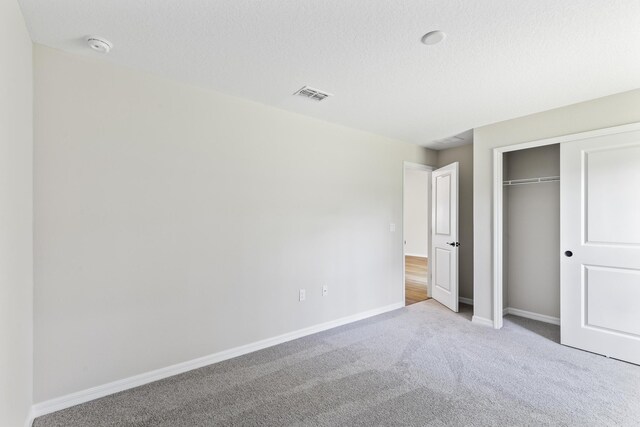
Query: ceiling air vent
point(450, 140)
point(311, 93)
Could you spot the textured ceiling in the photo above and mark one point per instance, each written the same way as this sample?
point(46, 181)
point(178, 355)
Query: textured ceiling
point(501, 59)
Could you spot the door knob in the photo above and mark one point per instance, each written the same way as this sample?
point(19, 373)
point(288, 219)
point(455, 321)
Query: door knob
point(454, 244)
point(568, 254)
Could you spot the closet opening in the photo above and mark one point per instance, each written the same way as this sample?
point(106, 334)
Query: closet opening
point(530, 224)
point(416, 232)
point(578, 270)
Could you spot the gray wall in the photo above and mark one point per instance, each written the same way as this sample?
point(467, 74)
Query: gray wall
point(463, 155)
point(600, 113)
point(532, 232)
point(173, 222)
point(16, 217)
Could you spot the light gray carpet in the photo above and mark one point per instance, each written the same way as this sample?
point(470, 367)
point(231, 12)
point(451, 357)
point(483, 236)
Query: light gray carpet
point(421, 365)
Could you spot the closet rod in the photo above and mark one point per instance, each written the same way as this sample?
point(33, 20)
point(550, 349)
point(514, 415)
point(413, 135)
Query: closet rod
point(532, 180)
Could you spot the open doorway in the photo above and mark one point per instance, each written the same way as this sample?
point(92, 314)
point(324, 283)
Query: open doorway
point(595, 243)
point(531, 234)
point(416, 232)
point(527, 232)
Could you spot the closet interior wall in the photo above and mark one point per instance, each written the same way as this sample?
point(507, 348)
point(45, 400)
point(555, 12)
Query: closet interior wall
point(531, 275)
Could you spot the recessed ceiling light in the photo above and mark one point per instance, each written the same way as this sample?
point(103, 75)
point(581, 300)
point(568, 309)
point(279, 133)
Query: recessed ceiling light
point(99, 44)
point(433, 37)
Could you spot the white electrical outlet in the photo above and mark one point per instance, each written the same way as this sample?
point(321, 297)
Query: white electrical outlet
point(303, 294)
point(392, 227)
point(325, 290)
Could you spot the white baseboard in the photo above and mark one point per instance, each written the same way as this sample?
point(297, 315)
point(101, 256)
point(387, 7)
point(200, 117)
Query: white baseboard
point(482, 321)
point(30, 417)
point(93, 393)
point(531, 315)
point(465, 300)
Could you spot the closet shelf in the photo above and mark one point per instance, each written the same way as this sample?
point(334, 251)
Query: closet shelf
point(532, 180)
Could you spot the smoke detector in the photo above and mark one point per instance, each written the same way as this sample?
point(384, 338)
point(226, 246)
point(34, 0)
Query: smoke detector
point(99, 44)
point(311, 93)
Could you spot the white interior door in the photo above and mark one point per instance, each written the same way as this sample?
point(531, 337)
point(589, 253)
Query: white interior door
point(444, 237)
point(600, 244)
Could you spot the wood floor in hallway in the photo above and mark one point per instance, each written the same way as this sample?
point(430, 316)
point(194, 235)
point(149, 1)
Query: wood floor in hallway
point(415, 279)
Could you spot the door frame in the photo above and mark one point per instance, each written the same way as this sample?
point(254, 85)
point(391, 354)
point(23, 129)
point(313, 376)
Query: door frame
point(498, 154)
point(426, 168)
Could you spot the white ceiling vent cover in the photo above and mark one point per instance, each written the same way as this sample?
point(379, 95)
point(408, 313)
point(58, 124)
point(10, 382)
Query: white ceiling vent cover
point(450, 140)
point(311, 93)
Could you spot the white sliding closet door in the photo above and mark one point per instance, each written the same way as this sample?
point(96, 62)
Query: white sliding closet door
point(600, 244)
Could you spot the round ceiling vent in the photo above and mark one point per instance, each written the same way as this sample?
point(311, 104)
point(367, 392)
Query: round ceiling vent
point(99, 44)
